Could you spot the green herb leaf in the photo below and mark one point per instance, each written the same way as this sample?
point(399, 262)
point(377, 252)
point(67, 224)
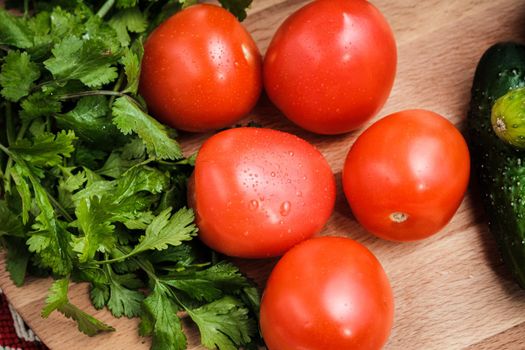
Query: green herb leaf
point(167, 229)
point(11, 223)
point(17, 75)
point(90, 61)
point(223, 323)
point(210, 284)
point(14, 30)
point(39, 104)
point(130, 118)
point(92, 123)
point(46, 149)
point(94, 222)
point(237, 7)
point(131, 62)
point(128, 20)
point(57, 300)
point(159, 320)
point(124, 301)
point(17, 259)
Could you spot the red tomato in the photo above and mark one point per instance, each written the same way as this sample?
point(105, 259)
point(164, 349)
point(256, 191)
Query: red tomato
point(327, 293)
point(201, 70)
point(331, 65)
point(257, 192)
point(406, 175)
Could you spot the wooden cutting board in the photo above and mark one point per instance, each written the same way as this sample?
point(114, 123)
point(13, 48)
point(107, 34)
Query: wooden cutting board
point(451, 290)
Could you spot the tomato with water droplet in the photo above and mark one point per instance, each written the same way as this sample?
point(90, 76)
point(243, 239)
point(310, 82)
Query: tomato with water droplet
point(327, 293)
point(250, 197)
point(201, 70)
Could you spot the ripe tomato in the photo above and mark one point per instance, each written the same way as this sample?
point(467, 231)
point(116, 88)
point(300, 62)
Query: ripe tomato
point(257, 192)
point(327, 293)
point(201, 70)
point(331, 65)
point(406, 175)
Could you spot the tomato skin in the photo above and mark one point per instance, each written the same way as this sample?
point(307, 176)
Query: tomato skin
point(201, 70)
point(413, 162)
point(257, 192)
point(327, 293)
point(331, 65)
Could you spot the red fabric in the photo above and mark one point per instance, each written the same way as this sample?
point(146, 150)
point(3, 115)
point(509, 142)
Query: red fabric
point(8, 337)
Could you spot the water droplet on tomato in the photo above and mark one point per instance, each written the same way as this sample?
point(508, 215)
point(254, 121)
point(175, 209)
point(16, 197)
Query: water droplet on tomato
point(285, 208)
point(254, 204)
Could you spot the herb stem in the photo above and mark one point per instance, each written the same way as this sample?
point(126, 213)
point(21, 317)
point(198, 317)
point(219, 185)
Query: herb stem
point(9, 124)
point(105, 8)
point(116, 88)
point(26, 8)
point(92, 93)
point(59, 207)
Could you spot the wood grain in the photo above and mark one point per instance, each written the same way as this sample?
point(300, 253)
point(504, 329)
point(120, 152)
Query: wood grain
point(451, 290)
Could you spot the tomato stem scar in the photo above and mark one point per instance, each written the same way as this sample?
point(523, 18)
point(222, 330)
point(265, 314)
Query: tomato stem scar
point(398, 217)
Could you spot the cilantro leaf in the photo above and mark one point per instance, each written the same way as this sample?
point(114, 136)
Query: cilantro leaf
point(57, 300)
point(90, 61)
point(130, 118)
point(223, 323)
point(126, 3)
point(14, 30)
point(39, 104)
point(91, 122)
point(210, 284)
point(159, 319)
point(50, 239)
point(23, 190)
point(237, 7)
point(17, 75)
point(130, 19)
point(94, 222)
point(138, 179)
point(11, 223)
point(47, 149)
point(124, 301)
point(17, 259)
point(131, 63)
point(167, 229)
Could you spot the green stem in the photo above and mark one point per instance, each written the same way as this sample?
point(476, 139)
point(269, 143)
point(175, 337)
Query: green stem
point(116, 88)
point(92, 93)
point(105, 8)
point(26, 8)
point(9, 124)
point(59, 207)
point(5, 150)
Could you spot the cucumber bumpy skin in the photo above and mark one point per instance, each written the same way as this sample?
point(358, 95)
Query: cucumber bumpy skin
point(508, 117)
point(499, 167)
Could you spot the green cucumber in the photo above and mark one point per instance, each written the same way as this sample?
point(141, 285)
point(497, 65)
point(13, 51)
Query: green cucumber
point(498, 166)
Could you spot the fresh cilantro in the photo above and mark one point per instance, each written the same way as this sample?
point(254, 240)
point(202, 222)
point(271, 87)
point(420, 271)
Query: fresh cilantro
point(17, 259)
point(130, 118)
point(210, 284)
point(128, 20)
point(93, 189)
point(90, 61)
point(14, 31)
point(159, 320)
point(46, 149)
point(17, 75)
point(124, 298)
point(57, 300)
point(223, 323)
point(237, 7)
